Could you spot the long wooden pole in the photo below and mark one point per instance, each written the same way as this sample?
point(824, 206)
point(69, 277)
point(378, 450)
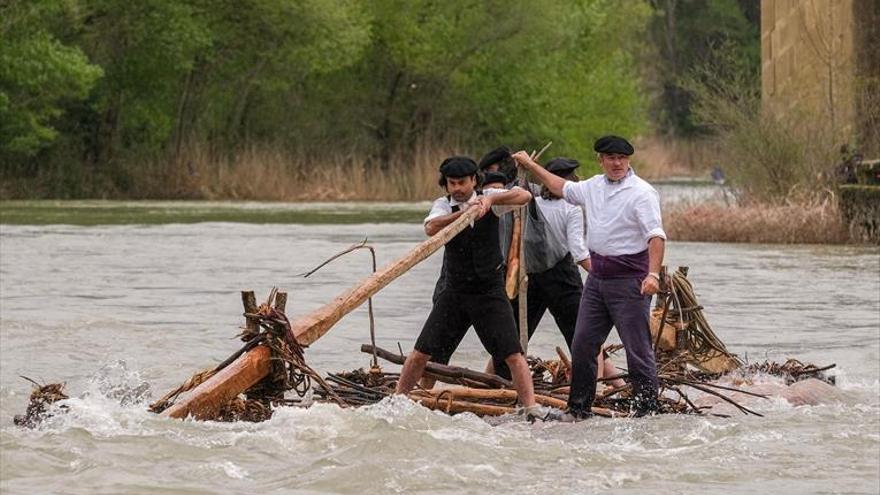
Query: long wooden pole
point(522, 275)
point(314, 325)
point(205, 400)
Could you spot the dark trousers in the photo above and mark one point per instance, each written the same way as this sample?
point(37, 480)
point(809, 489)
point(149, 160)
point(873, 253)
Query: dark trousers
point(605, 303)
point(559, 290)
point(455, 311)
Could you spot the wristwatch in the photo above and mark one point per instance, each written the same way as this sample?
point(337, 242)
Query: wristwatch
point(655, 275)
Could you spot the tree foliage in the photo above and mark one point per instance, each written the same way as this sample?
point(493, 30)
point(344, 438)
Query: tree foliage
point(97, 83)
point(38, 75)
point(687, 35)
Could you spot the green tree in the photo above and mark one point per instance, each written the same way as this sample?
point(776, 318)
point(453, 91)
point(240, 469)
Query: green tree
point(146, 49)
point(38, 75)
point(262, 50)
point(487, 72)
point(686, 35)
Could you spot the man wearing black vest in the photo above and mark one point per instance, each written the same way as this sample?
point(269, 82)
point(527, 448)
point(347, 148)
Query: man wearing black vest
point(474, 293)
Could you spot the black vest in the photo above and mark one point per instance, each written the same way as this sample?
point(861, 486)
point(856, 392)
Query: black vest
point(473, 258)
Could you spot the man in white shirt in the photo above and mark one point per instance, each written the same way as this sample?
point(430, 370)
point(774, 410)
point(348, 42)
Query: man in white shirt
point(626, 243)
point(474, 289)
point(554, 243)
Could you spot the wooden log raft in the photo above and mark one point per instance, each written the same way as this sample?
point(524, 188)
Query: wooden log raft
point(206, 400)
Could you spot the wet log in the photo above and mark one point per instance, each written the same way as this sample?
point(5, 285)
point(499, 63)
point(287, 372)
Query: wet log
point(446, 402)
point(523, 288)
point(498, 394)
point(444, 372)
point(249, 302)
point(207, 399)
point(566, 362)
point(281, 301)
point(450, 406)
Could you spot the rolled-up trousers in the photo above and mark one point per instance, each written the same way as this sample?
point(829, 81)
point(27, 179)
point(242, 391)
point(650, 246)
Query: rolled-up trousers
point(605, 303)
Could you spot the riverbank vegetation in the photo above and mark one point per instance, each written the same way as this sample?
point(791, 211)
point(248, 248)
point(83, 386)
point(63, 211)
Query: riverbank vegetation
point(818, 223)
point(190, 98)
point(281, 100)
point(783, 173)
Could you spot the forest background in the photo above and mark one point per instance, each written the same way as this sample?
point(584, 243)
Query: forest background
point(343, 99)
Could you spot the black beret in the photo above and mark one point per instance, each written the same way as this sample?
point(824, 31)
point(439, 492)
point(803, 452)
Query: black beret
point(491, 158)
point(492, 177)
point(613, 144)
point(562, 166)
point(458, 166)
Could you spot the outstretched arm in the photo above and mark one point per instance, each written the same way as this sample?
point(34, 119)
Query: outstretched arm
point(502, 201)
point(552, 181)
point(516, 196)
point(436, 224)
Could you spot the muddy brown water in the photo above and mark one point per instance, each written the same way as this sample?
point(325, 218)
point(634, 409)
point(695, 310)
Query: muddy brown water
point(123, 313)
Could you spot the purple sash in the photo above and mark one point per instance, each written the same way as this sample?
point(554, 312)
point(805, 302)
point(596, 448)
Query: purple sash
point(622, 266)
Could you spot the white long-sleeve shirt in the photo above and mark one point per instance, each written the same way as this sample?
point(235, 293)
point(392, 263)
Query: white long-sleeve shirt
point(567, 223)
point(622, 216)
point(443, 205)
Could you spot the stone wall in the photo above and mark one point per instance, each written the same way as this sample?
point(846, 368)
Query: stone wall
point(820, 58)
point(807, 59)
point(867, 43)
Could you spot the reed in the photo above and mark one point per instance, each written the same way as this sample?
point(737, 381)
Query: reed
point(794, 223)
point(258, 172)
point(269, 174)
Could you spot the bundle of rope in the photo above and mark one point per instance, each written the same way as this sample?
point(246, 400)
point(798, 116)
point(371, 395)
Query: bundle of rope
point(696, 342)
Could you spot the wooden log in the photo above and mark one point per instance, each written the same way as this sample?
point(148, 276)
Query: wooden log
point(281, 301)
point(511, 278)
point(565, 360)
point(446, 402)
point(210, 396)
point(206, 399)
point(442, 371)
point(605, 413)
point(523, 289)
point(498, 394)
point(249, 302)
point(450, 406)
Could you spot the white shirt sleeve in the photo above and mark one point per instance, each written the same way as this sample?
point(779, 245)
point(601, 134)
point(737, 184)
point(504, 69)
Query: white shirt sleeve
point(575, 192)
point(574, 233)
point(440, 207)
point(648, 214)
point(501, 209)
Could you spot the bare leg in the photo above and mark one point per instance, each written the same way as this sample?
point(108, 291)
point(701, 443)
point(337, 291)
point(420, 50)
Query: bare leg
point(606, 369)
point(427, 383)
point(522, 379)
point(412, 370)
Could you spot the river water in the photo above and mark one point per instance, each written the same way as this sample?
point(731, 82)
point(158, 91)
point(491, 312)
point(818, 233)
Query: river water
point(124, 313)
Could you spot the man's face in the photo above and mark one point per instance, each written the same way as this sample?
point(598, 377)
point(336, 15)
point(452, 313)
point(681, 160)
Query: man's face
point(461, 188)
point(615, 165)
